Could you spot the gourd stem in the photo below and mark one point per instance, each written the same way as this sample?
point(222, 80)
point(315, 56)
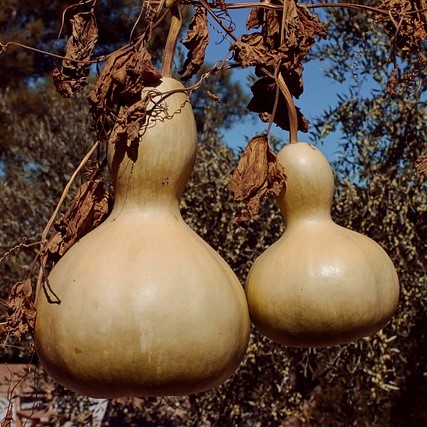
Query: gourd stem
point(174, 29)
point(292, 112)
point(280, 81)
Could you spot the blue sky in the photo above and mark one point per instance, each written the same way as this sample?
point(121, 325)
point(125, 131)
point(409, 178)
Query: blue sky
point(319, 93)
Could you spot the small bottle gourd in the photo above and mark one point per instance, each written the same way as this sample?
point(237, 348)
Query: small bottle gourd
point(147, 308)
point(320, 284)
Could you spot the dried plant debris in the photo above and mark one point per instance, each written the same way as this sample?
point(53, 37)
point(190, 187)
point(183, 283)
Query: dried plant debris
point(264, 91)
point(21, 312)
point(421, 164)
point(405, 24)
point(250, 50)
point(70, 78)
point(89, 208)
point(8, 417)
point(119, 87)
point(279, 46)
point(257, 175)
point(196, 42)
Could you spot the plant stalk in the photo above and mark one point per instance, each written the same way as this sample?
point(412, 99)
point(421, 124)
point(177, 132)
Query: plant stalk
point(292, 111)
point(174, 29)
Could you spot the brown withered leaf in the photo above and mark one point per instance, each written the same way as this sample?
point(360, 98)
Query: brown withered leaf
point(196, 42)
point(254, 19)
point(262, 102)
point(21, 311)
point(120, 84)
point(272, 24)
point(89, 208)
point(307, 27)
point(257, 175)
point(421, 164)
point(8, 417)
point(301, 26)
point(112, 75)
point(250, 50)
point(70, 78)
point(277, 46)
point(129, 122)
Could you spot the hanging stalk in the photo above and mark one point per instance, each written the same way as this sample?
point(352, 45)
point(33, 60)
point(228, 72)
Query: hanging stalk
point(282, 86)
point(292, 111)
point(174, 29)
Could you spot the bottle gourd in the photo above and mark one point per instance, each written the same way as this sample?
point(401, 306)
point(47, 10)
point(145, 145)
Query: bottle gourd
point(147, 308)
point(320, 284)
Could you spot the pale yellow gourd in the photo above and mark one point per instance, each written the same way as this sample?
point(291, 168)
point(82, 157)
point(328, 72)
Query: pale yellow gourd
point(320, 284)
point(147, 308)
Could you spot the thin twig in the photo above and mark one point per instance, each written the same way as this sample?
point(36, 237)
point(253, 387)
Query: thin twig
point(266, 5)
point(141, 11)
point(55, 212)
point(3, 47)
point(14, 249)
point(72, 6)
point(67, 189)
point(218, 20)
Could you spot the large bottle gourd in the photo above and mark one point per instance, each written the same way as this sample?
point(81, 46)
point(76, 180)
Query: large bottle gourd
point(320, 284)
point(146, 308)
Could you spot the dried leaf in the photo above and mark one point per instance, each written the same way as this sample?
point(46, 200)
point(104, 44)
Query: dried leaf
point(272, 24)
point(278, 46)
point(257, 175)
point(250, 50)
point(196, 41)
point(301, 26)
point(120, 84)
point(8, 417)
point(254, 19)
point(129, 122)
point(264, 93)
point(88, 209)
point(309, 26)
point(71, 77)
point(21, 312)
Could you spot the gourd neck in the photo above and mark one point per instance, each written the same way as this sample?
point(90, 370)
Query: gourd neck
point(156, 208)
point(152, 171)
point(298, 216)
point(308, 194)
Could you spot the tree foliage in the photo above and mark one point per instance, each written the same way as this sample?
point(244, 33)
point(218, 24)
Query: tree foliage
point(29, 23)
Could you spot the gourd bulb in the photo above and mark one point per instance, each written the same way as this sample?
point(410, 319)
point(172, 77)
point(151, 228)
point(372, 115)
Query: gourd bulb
point(146, 308)
point(320, 284)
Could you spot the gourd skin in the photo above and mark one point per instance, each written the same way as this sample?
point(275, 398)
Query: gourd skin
point(320, 284)
point(147, 307)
